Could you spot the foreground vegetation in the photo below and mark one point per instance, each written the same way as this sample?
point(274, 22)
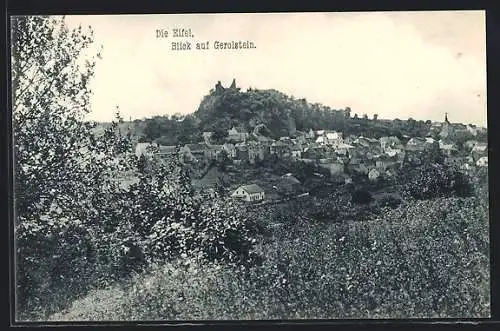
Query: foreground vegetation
point(90, 248)
point(426, 259)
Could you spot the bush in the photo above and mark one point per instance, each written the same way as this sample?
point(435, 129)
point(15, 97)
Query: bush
point(361, 197)
point(390, 201)
point(434, 181)
point(110, 232)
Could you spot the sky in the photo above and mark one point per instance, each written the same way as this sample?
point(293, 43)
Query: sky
point(394, 64)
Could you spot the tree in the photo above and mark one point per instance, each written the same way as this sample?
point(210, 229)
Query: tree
point(55, 171)
point(219, 135)
point(436, 180)
point(361, 197)
point(50, 98)
point(86, 215)
point(433, 154)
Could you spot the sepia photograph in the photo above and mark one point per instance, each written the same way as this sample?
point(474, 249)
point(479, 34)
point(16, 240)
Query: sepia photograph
point(259, 166)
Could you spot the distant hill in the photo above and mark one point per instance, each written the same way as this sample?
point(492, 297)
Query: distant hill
point(271, 113)
point(280, 114)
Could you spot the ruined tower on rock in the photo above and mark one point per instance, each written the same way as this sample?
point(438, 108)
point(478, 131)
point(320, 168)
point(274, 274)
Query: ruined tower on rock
point(218, 87)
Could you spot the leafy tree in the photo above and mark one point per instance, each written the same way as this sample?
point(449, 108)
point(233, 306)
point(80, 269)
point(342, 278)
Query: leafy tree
point(436, 180)
point(433, 154)
point(361, 197)
point(59, 162)
point(223, 160)
point(86, 213)
point(219, 135)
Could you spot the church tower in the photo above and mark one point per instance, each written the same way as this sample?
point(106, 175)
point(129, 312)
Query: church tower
point(446, 129)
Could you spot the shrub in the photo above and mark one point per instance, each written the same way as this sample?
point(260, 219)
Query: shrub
point(435, 180)
point(361, 197)
point(390, 201)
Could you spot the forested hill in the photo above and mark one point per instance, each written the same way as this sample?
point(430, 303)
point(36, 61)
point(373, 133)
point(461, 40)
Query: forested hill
point(275, 113)
point(282, 115)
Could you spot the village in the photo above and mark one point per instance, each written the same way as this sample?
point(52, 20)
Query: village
point(342, 158)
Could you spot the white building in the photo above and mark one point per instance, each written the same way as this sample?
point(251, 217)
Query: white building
point(250, 193)
point(142, 148)
point(373, 175)
point(482, 162)
point(479, 148)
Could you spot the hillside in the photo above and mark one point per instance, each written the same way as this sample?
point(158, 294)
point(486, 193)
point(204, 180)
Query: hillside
point(280, 114)
point(272, 112)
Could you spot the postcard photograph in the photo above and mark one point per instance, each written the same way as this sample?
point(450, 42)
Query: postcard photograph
point(263, 166)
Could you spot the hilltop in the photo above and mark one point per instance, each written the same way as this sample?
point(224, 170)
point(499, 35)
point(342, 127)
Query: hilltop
point(273, 112)
point(268, 112)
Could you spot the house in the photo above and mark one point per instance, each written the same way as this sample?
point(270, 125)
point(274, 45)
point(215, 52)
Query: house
point(436, 127)
point(195, 149)
point(166, 151)
point(469, 144)
point(447, 147)
point(255, 152)
point(384, 162)
point(214, 151)
point(296, 151)
point(333, 137)
point(234, 135)
point(373, 174)
point(416, 143)
point(207, 135)
point(394, 152)
point(263, 139)
point(365, 142)
point(201, 151)
point(361, 142)
point(329, 137)
point(289, 185)
point(126, 179)
point(362, 166)
point(321, 140)
point(279, 148)
point(472, 129)
point(343, 149)
point(286, 140)
point(413, 157)
point(482, 162)
point(390, 143)
point(313, 152)
point(334, 167)
point(480, 149)
point(459, 128)
point(144, 148)
point(390, 173)
point(242, 152)
point(230, 150)
point(250, 193)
